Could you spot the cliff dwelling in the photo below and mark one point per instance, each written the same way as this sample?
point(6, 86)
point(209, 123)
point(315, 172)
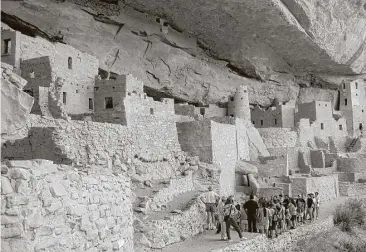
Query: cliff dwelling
point(188, 126)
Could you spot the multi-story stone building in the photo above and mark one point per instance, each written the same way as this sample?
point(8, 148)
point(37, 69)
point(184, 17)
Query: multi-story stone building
point(353, 105)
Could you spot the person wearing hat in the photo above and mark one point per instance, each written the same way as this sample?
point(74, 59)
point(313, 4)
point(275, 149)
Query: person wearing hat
point(210, 199)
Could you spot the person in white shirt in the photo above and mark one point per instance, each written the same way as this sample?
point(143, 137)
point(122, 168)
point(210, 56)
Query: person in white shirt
point(210, 199)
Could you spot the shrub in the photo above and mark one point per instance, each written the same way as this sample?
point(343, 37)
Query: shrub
point(349, 215)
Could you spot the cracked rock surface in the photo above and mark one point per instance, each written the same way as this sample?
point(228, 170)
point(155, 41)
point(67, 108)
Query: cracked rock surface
point(200, 51)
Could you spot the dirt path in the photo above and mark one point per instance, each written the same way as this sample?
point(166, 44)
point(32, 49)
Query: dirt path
point(209, 240)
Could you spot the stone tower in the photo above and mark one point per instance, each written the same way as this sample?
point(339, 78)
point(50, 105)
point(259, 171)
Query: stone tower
point(238, 106)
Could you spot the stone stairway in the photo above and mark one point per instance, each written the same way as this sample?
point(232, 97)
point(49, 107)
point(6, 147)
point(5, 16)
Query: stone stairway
point(353, 143)
point(167, 212)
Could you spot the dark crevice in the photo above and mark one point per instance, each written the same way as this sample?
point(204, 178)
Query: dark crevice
point(28, 29)
point(158, 94)
point(247, 73)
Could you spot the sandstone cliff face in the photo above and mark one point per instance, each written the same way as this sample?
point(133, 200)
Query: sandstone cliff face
point(201, 51)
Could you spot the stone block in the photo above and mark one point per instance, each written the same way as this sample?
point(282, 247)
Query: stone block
point(117, 245)
point(46, 243)
point(54, 207)
point(18, 173)
point(36, 220)
point(11, 232)
point(57, 189)
point(5, 186)
point(16, 200)
point(10, 219)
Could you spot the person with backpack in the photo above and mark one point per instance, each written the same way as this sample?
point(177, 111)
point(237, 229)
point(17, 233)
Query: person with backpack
point(230, 213)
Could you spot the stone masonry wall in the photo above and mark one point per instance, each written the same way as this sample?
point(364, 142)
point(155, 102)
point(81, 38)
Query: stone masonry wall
point(75, 141)
point(176, 187)
point(152, 125)
point(224, 154)
point(352, 189)
point(327, 186)
point(48, 207)
point(179, 227)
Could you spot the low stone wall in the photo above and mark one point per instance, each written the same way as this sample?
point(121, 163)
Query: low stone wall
point(284, 242)
point(352, 189)
point(176, 187)
point(327, 186)
point(176, 228)
point(48, 207)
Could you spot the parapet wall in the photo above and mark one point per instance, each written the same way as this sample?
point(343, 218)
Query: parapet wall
point(48, 207)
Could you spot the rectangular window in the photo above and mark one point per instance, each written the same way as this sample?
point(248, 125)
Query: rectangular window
point(6, 46)
point(345, 102)
point(344, 85)
point(261, 122)
point(253, 122)
point(356, 85)
point(64, 97)
point(108, 102)
point(340, 127)
point(360, 127)
point(275, 121)
point(322, 126)
point(90, 103)
point(151, 111)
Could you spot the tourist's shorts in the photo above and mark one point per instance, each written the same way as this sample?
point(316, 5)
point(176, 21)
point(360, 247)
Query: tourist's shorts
point(293, 218)
point(210, 207)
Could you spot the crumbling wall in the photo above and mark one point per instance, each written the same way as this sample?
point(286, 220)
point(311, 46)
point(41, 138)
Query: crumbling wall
point(75, 141)
point(77, 68)
point(48, 207)
point(153, 127)
point(224, 153)
point(273, 166)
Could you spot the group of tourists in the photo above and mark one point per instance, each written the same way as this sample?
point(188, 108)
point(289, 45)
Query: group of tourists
point(269, 216)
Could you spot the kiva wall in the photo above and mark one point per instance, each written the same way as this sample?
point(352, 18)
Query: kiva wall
point(48, 207)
